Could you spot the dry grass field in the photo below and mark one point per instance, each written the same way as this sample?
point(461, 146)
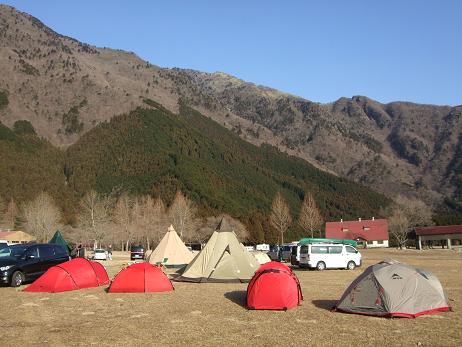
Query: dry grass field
point(213, 314)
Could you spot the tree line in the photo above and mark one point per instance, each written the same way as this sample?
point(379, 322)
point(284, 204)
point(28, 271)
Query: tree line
point(122, 220)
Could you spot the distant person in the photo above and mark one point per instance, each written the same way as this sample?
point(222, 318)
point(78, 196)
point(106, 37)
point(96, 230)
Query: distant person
point(109, 252)
point(81, 251)
point(280, 253)
point(74, 252)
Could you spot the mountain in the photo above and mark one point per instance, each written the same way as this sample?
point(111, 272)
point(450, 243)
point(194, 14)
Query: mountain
point(65, 88)
point(153, 151)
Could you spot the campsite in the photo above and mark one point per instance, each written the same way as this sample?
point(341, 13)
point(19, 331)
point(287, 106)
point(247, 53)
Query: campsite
point(212, 314)
point(244, 173)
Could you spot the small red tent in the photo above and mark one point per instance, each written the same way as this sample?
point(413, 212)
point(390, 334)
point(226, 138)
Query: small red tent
point(274, 265)
point(74, 274)
point(274, 287)
point(140, 278)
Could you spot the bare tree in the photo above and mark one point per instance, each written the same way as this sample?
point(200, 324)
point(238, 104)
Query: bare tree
point(11, 213)
point(155, 219)
point(310, 218)
point(398, 224)
point(2, 210)
point(182, 214)
point(280, 215)
point(405, 215)
point(95, 215)
point(209, 225)
point(41, 217)
point(123, 217)
point(417, 212)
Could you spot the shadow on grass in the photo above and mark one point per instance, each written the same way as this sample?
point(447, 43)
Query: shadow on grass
point(328, 305)
point(238, 297)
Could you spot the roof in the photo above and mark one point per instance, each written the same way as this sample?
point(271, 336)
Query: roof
point(368, 230)
point(4, 234)
point(16, 235)
point(438, 230)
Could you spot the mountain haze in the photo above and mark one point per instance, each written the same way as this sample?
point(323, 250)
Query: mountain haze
point(65, 88)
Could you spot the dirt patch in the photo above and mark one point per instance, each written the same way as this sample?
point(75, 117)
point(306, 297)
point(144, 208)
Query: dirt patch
point(211, 314)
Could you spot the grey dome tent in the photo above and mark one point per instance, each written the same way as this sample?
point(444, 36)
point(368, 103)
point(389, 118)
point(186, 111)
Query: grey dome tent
point(393, 289)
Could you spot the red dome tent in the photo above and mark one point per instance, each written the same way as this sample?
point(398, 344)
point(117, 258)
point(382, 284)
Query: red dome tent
point(74, 274)
point(274, 265)
point(274, 287)
point(140, 278)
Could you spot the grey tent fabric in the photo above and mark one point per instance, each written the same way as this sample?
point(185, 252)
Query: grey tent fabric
point(223, 259)
point(393, 289)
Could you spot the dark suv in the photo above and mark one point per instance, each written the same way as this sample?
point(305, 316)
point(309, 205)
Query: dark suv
point(26, 262)
point(137, 252)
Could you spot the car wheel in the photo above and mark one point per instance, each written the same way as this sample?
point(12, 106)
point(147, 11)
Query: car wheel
point(351, 265)
point(17, 279)
point(321, 266)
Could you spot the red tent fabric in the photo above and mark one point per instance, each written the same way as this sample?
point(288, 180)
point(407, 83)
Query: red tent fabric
point(74, 274)
point(274, 287)
point(141, 278)
point(274, 265)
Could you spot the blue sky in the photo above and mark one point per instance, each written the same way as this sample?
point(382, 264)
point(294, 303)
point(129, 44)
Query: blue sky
point(320, 50)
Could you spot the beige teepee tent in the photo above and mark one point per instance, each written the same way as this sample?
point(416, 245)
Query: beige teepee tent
point(223, 259)
point(171, 251)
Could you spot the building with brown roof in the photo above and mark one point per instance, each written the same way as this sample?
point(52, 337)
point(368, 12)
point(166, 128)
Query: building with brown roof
point(438, 233)
point(367, 232)
point(16, 236)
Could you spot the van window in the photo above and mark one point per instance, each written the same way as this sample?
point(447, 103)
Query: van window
point(319, 249)
point(304, 249)
point(335, 249)
point(350, 249)
point(287, 248)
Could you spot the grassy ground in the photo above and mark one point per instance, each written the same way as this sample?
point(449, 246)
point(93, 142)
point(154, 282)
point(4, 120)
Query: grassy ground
point(213, 314)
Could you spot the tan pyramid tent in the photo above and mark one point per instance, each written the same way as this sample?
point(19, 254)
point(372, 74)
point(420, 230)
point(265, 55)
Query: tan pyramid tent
point(261, 257)
point(223, 259)
point(171, 249)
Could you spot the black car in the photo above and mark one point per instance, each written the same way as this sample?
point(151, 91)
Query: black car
point(26, 262)
point(137, 252)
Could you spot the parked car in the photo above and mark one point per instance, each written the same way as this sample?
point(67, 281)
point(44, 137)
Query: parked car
point(137, 252)
point(25, 262)
point(295, 255)
point(286, 251)
point(3, 244)
point(264, 247)
point(100, 254)
point(329, 255)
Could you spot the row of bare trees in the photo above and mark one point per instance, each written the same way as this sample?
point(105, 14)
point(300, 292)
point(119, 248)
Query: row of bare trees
point(123, 220)
point(119, 220)
point(309, 219)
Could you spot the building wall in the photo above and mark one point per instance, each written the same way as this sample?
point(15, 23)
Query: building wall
point(377, 244)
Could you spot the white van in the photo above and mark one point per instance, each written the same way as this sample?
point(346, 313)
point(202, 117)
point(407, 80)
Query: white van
point(322, 256)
